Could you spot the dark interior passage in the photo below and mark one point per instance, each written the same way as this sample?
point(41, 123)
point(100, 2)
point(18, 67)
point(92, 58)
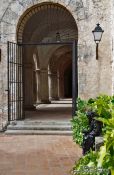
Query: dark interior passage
point(68, 82)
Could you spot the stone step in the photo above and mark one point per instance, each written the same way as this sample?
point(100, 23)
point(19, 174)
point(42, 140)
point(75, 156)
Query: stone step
point(37, 132)
point(40, 122)
point(40, 127)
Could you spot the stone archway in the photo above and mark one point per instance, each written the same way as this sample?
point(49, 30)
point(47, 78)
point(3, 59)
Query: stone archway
point(55, 17)
point(32, 30)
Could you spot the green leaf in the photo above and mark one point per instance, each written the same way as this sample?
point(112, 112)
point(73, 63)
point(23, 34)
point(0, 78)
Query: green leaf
point(102, 154)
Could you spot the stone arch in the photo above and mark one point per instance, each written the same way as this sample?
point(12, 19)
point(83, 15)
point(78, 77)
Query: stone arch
point(19, 7)
point(49, 8)
point(15, 10)
point(27, 31)
point(24, 16)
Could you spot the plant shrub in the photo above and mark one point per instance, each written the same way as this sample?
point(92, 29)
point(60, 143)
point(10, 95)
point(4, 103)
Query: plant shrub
point(103, 106)
point(79, 123)
point(102, 159)
point(87, 165)
point(106, 153)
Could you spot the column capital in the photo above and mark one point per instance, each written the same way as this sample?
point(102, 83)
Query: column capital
point(37, 70)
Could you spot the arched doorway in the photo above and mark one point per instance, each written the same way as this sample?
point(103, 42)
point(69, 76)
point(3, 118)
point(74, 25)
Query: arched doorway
point(46, 23)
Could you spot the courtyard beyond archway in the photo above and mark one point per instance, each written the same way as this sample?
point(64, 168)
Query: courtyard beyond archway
point(58, 110)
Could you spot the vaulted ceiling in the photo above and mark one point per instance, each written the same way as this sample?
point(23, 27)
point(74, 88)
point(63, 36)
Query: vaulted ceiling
point(41, 23)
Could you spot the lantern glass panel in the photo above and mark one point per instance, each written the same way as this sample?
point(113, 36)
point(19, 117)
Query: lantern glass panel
point(97, 36)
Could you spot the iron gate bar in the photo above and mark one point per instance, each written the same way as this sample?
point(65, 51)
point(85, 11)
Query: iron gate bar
point(23, 95)
point(15, 82)
point(8, 83)
point(15, 62)
point(74, 77)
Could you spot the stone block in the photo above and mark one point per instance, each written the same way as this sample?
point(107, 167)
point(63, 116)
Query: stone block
point(98, 142)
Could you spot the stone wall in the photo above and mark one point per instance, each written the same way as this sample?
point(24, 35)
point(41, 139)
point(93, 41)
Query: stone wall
point(95, 76)
point(112, 33)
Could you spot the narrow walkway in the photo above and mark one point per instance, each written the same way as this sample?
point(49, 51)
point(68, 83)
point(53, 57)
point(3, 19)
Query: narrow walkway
point(37, 155)
point(57, 110)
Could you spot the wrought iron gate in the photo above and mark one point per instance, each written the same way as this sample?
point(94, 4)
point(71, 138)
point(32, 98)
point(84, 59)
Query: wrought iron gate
point(15, 82)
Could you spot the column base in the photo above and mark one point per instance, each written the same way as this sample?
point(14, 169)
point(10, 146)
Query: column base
point(45, 102)
point(54, 98)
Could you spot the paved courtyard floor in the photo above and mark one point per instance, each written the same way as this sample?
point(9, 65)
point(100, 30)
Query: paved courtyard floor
point(57, 110)
point(37, 155)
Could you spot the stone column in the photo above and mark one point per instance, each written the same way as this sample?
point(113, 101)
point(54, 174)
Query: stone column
point(44, 88)
point(61, 86)
point(28, 83)
point(38, 95)
point(54, 86)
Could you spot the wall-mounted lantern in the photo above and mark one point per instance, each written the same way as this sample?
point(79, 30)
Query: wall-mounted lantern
point(58, 37)
point(97, 33)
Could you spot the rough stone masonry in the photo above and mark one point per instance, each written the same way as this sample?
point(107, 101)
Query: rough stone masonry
point(95, 76)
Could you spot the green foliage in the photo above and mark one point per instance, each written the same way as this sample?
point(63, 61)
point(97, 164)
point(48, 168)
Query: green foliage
point(90, 158)
point(87, 165)
point(79, 123)
point(103, 106)
point(106, 153)
point(81, 105)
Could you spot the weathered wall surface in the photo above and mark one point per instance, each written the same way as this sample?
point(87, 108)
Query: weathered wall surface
point(95, 76)
point(112, 33)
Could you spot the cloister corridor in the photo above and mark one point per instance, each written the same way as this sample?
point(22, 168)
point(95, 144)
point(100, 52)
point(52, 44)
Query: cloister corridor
point(58, 110)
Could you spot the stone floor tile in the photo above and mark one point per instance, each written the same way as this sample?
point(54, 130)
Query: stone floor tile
point(37, 155)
